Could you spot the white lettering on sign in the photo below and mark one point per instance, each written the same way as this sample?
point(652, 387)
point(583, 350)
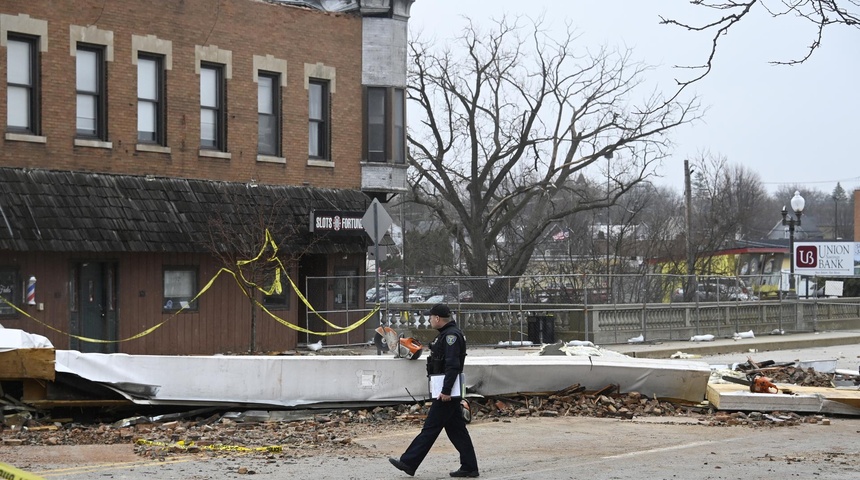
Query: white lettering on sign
point(337, 223)
point(324, 223)
point(352, 224)
point(806, 257)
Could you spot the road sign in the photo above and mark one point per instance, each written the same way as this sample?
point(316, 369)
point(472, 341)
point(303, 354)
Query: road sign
point(376, 221)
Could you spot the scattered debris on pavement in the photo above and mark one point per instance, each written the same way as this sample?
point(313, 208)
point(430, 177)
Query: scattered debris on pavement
point(300, 433)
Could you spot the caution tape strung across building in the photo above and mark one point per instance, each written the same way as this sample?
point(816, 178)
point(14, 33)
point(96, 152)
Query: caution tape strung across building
point(241, 281)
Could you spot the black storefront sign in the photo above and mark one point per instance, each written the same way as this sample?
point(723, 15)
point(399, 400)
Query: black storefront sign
point(336, 222)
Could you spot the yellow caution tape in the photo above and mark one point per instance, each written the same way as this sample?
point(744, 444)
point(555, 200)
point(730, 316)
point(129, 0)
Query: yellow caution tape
point(242, 282)
point(8, 472)
point(183, 445)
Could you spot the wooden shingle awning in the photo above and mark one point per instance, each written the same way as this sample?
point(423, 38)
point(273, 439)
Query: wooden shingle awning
point(65, 211)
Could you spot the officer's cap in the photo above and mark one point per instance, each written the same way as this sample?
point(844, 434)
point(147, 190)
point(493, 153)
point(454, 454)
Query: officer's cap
point(440, 309)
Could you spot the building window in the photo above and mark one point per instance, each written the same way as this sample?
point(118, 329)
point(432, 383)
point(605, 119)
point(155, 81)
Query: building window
point(90, 84)
point(8, 290)
point(318, 119)
point(213, 117)
point(180, 286)
point(399, 122)
point(376, 125)
point(150, 100)
point(385, 125)
point(22, 83)
point(278, 301)
point(268, 114)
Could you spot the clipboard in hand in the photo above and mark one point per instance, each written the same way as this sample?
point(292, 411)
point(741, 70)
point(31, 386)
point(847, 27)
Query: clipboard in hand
point(458, 390)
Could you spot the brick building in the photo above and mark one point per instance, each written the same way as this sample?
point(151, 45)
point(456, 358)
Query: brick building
point(148, 145)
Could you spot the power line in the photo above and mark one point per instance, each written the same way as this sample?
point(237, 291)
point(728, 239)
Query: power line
point(807, 181)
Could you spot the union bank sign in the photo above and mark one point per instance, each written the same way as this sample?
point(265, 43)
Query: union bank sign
point(834, 259)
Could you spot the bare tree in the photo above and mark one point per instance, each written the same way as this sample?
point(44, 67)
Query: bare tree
point(839, 197)
point(820, 13)
point(237, 232)
point(727, 199)
point(508, 126)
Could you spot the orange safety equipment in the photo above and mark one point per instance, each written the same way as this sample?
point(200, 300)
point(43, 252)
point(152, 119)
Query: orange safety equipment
point(410, 348)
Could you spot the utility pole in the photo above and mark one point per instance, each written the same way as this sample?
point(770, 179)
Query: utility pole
point(688, 220)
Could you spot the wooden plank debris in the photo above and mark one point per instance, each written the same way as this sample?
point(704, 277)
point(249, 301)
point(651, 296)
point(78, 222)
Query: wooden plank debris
point(27, 363)
point(734, 397)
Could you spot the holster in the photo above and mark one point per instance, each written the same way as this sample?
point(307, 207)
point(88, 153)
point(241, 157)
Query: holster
point(435, 366)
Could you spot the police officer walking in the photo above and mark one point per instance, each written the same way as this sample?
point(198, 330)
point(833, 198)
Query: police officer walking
point(447, 356)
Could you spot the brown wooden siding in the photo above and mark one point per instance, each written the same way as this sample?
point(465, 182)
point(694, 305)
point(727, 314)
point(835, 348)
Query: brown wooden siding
point(222, 323)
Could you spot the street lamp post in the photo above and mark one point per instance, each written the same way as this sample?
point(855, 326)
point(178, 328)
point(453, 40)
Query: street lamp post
point(797, 204)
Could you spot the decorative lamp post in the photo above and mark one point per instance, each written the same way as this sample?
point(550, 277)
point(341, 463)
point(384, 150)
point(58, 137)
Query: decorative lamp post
point(797, 204)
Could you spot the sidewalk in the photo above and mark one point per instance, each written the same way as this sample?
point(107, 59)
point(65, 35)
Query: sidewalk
point(721, 346)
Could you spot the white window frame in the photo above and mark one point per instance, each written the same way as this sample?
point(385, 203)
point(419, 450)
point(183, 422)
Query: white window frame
point(150, 99)
point(269, 113)
point(212, 110)
point(179, 287)
point(90, 93)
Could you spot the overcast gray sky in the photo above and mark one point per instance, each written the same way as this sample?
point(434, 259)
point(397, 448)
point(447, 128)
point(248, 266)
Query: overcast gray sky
point(791, 125)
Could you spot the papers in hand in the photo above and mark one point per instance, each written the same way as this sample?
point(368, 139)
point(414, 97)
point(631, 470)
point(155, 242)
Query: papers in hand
point(436, 382)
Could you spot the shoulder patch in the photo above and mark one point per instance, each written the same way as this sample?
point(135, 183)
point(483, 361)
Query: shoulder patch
point(450, 339)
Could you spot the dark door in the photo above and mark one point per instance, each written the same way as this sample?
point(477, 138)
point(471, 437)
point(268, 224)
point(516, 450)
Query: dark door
point(312, 276)
point(95, 302)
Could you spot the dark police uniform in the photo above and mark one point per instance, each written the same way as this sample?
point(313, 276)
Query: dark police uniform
point(447, 355)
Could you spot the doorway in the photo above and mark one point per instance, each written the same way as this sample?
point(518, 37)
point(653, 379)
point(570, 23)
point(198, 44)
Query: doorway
point(93, 306)
point(312, 275)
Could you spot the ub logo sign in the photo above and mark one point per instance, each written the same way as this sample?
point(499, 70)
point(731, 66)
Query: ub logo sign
point(806, 256)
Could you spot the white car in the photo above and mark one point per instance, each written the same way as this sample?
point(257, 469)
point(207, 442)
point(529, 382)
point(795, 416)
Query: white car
point(441, 299)
point(397, 297)
point(385, 290)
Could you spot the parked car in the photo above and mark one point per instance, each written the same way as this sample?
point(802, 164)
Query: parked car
point(441, 299)
point(397, 297)
point(424, 292)
point(384, 292)
point(704, 293)
point(740, 294)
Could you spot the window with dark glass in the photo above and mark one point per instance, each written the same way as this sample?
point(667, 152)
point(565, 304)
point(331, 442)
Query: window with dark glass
point(90, 87)
point(212, 108)
point(150, 99)
point(22, 84)
point(278, 301)
point(268, 114)
point(318, 119)
point(180, 286)
point(398, 141)
point(9, 290)
point(385, 125)
point(376, 138)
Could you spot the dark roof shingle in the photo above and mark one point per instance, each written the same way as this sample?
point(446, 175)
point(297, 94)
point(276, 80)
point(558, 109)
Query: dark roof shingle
point(62, 211)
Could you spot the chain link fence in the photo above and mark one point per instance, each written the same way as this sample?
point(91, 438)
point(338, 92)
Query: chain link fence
point(512, 311)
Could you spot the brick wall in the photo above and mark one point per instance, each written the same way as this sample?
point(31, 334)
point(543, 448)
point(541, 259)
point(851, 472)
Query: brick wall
point(246, 28)
point(856, 214)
